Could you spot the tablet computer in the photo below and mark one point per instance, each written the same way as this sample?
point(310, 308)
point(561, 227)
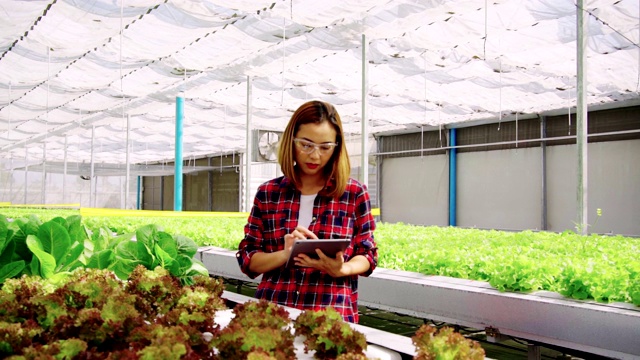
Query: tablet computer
point(329, 247)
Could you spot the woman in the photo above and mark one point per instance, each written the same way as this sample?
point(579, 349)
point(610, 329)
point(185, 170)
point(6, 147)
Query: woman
point(314, 199)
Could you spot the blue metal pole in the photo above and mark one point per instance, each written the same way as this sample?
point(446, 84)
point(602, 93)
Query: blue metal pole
point(177, 185)
point(452, 177)
point(139, 195)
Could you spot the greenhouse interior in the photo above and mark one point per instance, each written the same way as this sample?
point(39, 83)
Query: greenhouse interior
point(489, 135)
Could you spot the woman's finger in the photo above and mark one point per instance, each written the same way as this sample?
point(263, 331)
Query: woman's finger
point(306, 232)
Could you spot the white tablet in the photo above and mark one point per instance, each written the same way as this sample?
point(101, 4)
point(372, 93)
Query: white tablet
point(329, 247)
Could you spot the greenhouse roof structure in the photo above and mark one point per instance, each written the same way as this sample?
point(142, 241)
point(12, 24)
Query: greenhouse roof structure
point(91, 79)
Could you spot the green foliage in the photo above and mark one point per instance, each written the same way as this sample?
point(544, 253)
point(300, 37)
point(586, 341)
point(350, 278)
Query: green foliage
point(602, 268)
point(45, 214)
point(50, 249)
point(15, 336)
point(258, 328)
point(594, 267)
point(60, 349)
point(56, 247)
point(444, 344)
point(92, 313)
point(261, 314)
point(326, 333)
point(237, 342)
point(542, 260)
point(217, 231)
point(159, 342)
point(154, 247)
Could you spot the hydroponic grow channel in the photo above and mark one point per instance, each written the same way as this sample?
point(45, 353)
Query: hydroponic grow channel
point(608, 330)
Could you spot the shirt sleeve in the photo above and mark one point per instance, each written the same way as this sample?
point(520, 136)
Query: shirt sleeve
point(253, 238)
point(363, 230)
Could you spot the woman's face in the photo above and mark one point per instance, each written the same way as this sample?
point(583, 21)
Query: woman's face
point(313, 146)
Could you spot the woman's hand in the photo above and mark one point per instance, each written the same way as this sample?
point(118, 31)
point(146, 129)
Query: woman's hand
point(262, 262)
point(300, 233)
point(336, 267)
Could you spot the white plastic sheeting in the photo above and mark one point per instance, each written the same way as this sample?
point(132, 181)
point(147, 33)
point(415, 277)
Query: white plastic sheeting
point(69, 65)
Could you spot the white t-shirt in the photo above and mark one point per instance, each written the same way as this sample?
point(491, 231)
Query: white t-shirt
point(306, 210)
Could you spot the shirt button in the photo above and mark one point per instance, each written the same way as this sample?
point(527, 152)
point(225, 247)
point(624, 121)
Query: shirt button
point(313, 218)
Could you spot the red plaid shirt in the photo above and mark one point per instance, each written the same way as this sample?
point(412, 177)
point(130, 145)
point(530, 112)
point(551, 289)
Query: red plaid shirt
point(275, 213)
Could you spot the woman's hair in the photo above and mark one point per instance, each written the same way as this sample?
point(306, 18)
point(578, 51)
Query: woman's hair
point(338, 168)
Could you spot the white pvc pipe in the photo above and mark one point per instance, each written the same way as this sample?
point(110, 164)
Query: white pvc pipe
point(11, 179)
point(364, 159)
point(247, 151)
point(128, 172)
point(91, 186)
point(44, 173)
point(582, 120)
point(26, 172)
point(64, 171)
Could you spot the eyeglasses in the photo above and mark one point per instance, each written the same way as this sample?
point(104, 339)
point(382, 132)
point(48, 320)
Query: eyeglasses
point(308, 147)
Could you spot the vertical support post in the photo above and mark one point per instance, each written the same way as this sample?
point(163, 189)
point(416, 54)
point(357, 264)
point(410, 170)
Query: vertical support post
point(26, 173)
point(453, 174)
point(247, 152)
point(43, 196)
point(533, 352)
point(210, 184)
point(139, 193)
point(543, 180)
point(92, 199)
point(582, 121)
point(11, 179)
point(177, 183)
point(64, 171)
point(128, 171)
point(364, 159)
point(379, 184)
point(9, 103)
point(162, 193)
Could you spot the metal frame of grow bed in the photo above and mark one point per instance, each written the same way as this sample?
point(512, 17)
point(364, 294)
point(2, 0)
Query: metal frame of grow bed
point(609, 330)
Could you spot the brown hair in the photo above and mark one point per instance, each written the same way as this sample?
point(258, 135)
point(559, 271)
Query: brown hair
point(338, 168)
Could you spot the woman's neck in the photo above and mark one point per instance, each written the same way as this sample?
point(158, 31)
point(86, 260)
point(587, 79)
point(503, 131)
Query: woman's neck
point(310, 185)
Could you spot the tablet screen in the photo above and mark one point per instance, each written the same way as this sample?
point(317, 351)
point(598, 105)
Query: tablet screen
point(329, 247)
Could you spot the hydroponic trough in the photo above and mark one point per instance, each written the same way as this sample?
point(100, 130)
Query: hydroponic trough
point(609, 330)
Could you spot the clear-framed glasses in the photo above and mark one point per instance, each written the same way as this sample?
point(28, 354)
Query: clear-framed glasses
point(308, 147)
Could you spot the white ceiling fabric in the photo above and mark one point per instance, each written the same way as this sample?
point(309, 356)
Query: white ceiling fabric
point(70, 66)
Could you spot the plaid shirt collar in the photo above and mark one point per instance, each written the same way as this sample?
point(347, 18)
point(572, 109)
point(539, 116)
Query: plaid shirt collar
point(286, 182)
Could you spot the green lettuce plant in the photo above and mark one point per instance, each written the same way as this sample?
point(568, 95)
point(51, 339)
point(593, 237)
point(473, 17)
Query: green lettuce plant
point(54, 248)
point(31, 247)
point(444, 344)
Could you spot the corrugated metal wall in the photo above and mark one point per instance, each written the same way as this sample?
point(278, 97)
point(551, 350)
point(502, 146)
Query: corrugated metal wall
point(507, 182)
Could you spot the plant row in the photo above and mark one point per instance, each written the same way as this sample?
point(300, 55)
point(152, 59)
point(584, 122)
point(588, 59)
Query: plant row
point(54, 248)
point(146, 302)
point(594, 267)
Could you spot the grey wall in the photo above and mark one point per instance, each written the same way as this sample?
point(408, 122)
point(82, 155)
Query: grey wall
point(613, 186)
point(415, 190)
point(499, 189)
point(502, 189)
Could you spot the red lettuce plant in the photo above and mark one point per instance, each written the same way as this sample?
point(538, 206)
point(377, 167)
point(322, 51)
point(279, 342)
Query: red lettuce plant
point(95, 315)
point(329, 335)
point(259, 330)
